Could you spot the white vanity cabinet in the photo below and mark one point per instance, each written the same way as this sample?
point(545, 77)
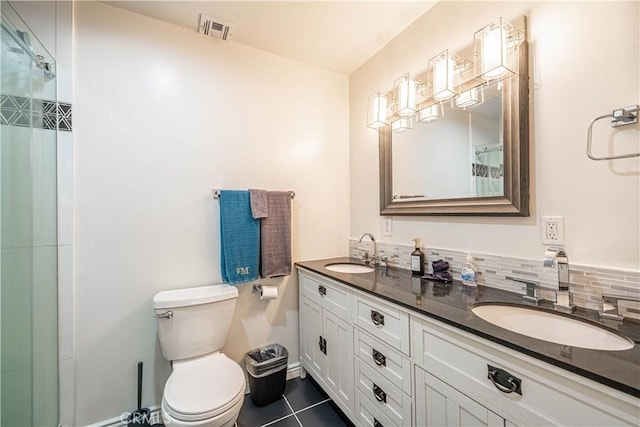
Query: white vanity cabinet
point(386, 365)
point(326, 337)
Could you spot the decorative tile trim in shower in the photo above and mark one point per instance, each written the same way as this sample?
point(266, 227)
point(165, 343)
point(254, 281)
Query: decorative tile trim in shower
point(588, 283)
point(37, 113)
point(484, 171)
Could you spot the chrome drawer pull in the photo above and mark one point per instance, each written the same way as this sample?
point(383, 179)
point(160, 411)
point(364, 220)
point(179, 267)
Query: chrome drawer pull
point(379, 358)
point(380, 395)
point(504, 381)
point(377, 318)
point(377, 423)
point(322, 290)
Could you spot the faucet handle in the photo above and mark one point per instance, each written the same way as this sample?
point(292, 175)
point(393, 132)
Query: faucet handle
point(619, 307)
point(385, 259)
point(531, 296)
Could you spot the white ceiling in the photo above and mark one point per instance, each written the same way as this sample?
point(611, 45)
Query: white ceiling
point(336, 35)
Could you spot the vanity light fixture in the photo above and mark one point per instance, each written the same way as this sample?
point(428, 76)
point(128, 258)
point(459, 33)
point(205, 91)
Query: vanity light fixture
point(445, 70)
point(377, 110)
point(441, 68)
point(494, 50)
point(402, 124)
point(405, 90)
point(431, 113)
point(449, 77)
point(469, 98)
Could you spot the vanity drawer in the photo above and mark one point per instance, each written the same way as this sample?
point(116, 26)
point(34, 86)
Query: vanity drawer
point(385, 322)
point(329, 295)
point(550, 395)
point(368, 414)
point(383, 359)
point(386, 397)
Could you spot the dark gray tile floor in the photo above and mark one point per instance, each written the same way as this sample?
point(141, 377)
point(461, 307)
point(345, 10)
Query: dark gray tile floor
point(303, 404)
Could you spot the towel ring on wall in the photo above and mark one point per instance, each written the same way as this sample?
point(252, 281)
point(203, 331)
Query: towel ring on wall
point(619, 117)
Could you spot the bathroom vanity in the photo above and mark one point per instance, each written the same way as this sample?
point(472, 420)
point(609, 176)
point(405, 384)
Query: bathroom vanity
point(393, 350)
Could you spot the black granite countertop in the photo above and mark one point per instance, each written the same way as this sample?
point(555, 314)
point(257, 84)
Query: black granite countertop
point(451, 304)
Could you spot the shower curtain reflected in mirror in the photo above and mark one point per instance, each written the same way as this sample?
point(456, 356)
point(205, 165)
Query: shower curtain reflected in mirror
point(488, 170)
point(28, 228)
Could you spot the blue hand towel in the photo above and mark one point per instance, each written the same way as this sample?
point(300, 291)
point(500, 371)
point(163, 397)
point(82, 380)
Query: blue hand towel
point(239, 238)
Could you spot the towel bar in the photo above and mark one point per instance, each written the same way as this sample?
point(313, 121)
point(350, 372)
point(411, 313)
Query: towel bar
point(619, 117)
point(216, 193)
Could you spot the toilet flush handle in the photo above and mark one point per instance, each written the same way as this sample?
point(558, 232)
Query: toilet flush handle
point(165, 315)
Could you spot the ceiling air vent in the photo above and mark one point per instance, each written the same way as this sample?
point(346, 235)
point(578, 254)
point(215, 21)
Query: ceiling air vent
point(215, 28)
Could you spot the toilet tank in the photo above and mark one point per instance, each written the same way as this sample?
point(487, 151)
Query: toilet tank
point(199, 321)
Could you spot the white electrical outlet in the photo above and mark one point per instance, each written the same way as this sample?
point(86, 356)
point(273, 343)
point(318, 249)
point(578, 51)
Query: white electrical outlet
point(386, 227)
point(552, 228)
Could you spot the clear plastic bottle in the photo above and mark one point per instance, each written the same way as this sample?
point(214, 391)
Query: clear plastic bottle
point(469, 272)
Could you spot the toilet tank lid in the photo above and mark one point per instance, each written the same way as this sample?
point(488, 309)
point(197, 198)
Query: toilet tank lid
point(194, 296)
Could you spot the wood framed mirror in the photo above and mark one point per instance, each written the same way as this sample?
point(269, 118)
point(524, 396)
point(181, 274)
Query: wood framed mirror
point(512, 198)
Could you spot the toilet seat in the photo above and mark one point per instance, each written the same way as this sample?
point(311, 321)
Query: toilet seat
point(203, 387)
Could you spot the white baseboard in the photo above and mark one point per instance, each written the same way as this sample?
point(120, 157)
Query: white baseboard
point(293, 371)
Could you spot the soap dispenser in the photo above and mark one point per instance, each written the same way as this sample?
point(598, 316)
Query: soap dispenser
point(469, 272)
point(417, 259)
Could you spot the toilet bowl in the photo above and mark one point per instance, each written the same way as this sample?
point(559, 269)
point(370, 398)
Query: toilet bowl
point(205, 388)
point(207, 391)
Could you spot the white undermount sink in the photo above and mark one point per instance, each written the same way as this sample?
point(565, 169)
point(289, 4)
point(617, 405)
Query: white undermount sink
point(550, 326)
point(349, 267)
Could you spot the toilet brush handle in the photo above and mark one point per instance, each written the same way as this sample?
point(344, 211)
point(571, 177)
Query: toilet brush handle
point(139, 385)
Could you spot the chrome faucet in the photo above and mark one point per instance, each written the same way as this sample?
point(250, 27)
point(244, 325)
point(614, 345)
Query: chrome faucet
point(564, 296)
point(375, 249)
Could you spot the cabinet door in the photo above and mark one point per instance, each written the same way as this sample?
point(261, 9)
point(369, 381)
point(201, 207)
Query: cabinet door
point(310, 334)
point(338, 373)
point(438, 404)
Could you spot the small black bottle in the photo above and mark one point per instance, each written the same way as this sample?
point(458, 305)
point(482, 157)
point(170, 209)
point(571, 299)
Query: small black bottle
point(417, 259)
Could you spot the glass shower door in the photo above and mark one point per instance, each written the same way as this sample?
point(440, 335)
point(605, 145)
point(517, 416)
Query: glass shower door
point(28, 231)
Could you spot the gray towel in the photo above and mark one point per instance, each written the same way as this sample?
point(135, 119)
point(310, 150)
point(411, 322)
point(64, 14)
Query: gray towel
point(259, 205)
point(275, 236)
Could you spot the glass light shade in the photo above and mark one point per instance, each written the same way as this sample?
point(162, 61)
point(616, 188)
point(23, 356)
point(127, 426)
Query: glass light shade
point(444, 75)
point(431, 113)
point(494, 47)
point(377, 111)
point(469, 98)
point(405, 89)
point(402, 124)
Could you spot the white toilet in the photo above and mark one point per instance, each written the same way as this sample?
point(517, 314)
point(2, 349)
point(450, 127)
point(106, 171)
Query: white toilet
point(205, 388)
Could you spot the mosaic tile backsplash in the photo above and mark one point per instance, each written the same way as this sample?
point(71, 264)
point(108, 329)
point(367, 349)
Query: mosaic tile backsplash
point(587, 283)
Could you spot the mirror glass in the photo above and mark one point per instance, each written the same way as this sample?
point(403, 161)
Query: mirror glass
point(466, 147)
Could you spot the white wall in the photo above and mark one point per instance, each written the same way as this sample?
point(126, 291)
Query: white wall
point(162, 116)
point(580, 69)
